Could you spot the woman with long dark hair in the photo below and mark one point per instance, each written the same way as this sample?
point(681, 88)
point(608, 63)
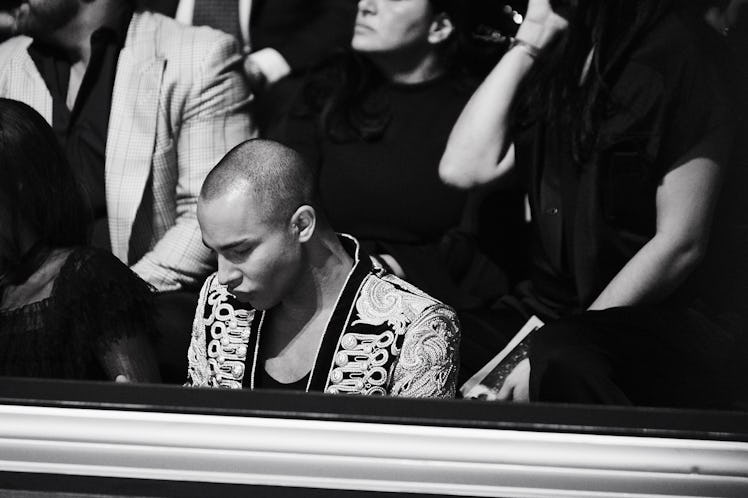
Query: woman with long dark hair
point(375, 121)
point(618, 115)
point(66, 311)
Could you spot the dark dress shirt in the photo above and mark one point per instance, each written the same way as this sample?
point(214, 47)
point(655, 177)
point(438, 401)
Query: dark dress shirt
point(82, 131)
point(591, 218)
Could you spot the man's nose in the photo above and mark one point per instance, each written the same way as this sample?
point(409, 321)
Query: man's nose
point(228, 274)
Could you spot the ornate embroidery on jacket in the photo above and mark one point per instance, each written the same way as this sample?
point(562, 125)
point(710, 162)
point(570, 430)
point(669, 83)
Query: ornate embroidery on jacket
point(360, 364)
point(380, 301)
point(426, 366)
point(363, 361)
point(222, 363)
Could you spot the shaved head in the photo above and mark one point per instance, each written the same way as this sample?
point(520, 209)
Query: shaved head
point(275, 176)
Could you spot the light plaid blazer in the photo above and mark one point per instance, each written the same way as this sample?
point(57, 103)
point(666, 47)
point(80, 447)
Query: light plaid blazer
point(179, 104)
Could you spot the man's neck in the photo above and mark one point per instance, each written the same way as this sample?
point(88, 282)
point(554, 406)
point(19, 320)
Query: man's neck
point(314, 297)
point(327, 268)
point(75, 37)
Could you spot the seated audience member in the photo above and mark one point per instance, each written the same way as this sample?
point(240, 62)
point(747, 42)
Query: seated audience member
point(66, 310)
point(143, 107)
point(281, 39)
point(375, 121)
point(618, 115)
point(296, 306)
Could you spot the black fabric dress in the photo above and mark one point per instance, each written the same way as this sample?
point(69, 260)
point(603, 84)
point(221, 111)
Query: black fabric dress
point(95, 301)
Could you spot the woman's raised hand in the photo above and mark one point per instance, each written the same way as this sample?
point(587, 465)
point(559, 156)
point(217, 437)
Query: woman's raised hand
point(542, 25)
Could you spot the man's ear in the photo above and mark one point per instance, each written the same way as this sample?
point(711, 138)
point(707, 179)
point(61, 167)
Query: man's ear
point(441, 29)
point(304, 222)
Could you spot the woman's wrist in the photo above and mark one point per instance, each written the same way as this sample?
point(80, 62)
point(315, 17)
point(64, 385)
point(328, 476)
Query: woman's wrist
point(532, 33)
point(526, 47)
point(541, 34)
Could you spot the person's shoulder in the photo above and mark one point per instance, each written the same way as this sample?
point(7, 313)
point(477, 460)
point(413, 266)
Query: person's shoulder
point(15, 44)
point(409, 296)
point(173, 39)
point(99, 274)
point(92, 256)
point(681, 53)
point(100, 264)
point(12, 48)
point(679, 39)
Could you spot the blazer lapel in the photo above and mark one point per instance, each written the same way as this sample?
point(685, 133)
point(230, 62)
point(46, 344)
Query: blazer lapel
point(132, 132)
point(27, 85)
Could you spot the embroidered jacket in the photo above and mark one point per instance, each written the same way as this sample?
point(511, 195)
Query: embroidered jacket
point(384, 337)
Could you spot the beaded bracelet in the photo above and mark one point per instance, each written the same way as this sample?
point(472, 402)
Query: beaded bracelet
point(529, 48)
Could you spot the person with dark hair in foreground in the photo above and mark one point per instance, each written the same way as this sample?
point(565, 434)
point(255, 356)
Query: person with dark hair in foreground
point(618, 115)
point(296, 306)
point(66, 310)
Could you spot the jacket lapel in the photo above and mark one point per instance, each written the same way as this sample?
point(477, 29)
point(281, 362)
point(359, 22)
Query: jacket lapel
point(27, 85)
point(132, 130)
point(341, 316)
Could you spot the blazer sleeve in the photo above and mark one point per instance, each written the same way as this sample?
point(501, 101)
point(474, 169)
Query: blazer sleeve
point(317, 38)
point(214, 118)
point(428, 363)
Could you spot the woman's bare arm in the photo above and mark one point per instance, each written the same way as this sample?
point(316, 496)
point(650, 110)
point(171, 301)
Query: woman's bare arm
point(686, 199)
point(479, 150)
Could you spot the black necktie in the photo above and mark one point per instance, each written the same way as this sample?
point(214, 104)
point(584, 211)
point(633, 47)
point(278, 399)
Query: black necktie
point(218, 14)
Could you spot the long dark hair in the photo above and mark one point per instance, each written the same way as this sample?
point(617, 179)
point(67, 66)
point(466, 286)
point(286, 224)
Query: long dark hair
point(38, 189)
point(613, 28)
point(347, 91)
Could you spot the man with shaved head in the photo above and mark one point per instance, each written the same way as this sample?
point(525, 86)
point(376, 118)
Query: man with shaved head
point(294, 305)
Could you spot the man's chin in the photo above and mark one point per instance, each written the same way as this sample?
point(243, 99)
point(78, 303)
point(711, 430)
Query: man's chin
point(251, 299)
point(243, 297)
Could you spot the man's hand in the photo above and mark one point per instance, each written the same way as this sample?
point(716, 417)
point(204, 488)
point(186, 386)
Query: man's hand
point(517, 384)
point(256, 78)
